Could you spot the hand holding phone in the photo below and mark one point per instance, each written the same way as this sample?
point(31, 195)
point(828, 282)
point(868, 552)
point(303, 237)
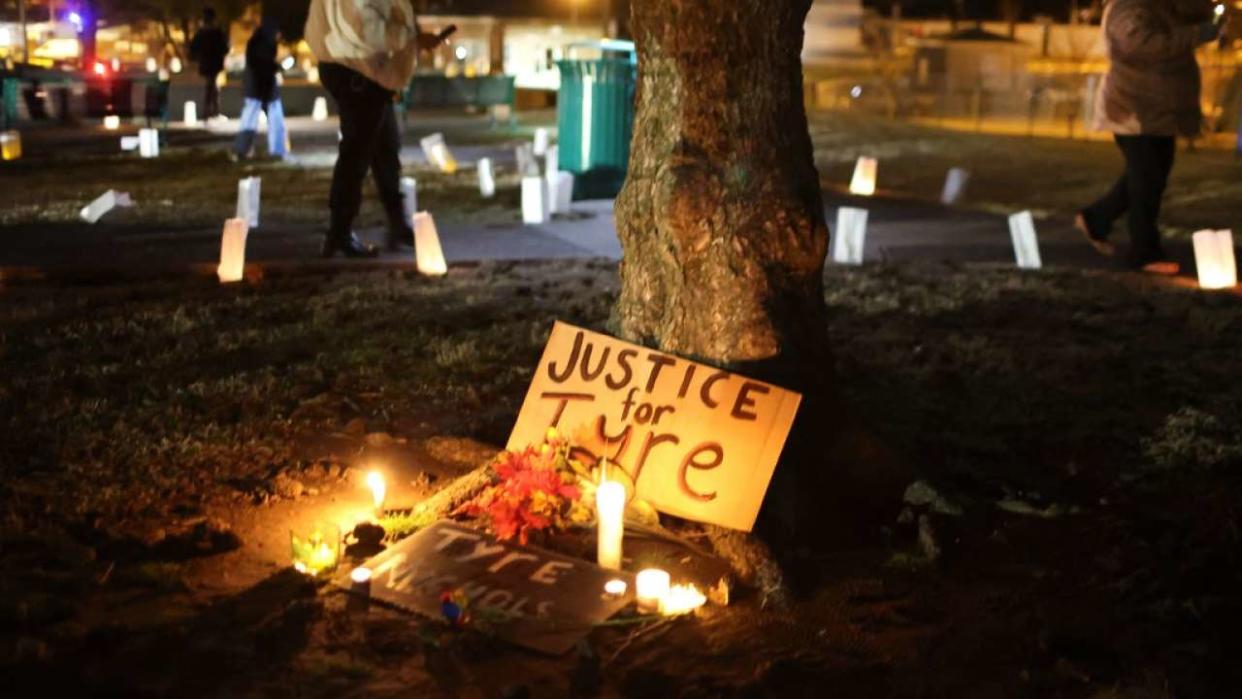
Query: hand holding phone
point(444, 35)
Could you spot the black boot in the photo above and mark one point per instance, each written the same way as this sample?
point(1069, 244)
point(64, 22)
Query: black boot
point(400, 234)
point(400, 238)
point(347, 245)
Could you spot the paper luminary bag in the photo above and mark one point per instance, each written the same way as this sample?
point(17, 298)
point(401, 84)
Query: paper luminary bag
point(248, 197)
point(104, 203)
point(409, 196)
point(1025, 243)
point(232, 251)
point(149, 143)
point(10, 145)
point(561, 193)
point(954, 186)
point(1214, 259)
point(696, 441)
point(534, 200)
point(438, 154)
point(850, 236)
point(526, 163)
point(428, 256)
point(487, 180)
point(863, 182)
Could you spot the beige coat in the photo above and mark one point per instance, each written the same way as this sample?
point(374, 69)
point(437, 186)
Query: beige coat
point(378, 38)
point(1152, 85)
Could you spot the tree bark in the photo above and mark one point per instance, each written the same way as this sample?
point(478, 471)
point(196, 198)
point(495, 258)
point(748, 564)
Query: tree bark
point(721, 219)
point(723, 235)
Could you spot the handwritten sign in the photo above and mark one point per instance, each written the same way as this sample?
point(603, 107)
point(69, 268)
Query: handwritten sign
point(698, 442)
point(535, 598)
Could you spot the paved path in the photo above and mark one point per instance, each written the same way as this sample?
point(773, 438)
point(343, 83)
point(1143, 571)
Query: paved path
point(899, 230)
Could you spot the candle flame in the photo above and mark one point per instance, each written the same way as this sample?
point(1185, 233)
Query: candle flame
point(616, 587)
point(681, 599)
point(375, 481)
point(1220, 10)
point(360, 575)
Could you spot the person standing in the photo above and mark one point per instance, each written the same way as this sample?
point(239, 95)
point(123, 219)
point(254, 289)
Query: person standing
point(209, 47)
point(366, 55)
point(262, 93)
point(1148, 98)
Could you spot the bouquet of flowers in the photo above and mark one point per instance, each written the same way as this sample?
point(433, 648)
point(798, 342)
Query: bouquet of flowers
point(536, 489)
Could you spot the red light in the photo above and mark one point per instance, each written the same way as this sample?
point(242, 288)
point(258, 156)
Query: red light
point(101, 69)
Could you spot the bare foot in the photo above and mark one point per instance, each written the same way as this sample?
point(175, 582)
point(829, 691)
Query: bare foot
point(1162, 267)
point(1103, 247)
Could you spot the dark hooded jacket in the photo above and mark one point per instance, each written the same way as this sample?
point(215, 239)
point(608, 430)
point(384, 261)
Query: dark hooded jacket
point(208, 48)
point(261, 66)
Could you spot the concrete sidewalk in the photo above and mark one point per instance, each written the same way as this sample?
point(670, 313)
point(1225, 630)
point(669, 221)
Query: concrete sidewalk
point(899, 230)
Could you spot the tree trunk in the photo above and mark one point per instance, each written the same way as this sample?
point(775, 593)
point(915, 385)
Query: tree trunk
point(722, 226)
point(720, 219)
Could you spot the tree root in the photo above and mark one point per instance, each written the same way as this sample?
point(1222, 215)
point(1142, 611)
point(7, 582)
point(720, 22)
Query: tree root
point(752, 562)
point(441, 504)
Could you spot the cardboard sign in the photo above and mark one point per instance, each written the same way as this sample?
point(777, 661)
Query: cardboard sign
point(541, 600)
point(698, 442)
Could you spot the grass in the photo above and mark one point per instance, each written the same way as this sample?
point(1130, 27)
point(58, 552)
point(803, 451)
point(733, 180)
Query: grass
point(1051, 392)
point(1011, 173)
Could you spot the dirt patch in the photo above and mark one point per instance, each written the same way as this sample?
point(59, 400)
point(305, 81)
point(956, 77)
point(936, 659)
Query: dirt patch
point(1075, 534)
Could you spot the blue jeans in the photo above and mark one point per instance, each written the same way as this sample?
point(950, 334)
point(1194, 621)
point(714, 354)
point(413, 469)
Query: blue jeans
point(250, 125)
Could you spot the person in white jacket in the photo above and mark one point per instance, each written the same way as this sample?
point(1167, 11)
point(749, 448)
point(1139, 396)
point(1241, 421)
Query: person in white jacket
point(367, 52)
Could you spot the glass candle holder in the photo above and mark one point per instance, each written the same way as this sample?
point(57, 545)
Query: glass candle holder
point(316, 549)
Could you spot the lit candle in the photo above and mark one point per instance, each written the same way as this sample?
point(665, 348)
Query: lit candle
point(652, 586)
point(360, 575)
point(681, 599)
point(610, 511)
point(375, 481)
point(616, 587)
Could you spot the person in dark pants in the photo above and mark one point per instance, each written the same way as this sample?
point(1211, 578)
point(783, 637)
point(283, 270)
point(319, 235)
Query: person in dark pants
point(209, 47)
point(262, 93)
point(366, 57)
point(369, 141)
point(1149, 96)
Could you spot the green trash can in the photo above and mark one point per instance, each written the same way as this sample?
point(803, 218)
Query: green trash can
point(595, 116)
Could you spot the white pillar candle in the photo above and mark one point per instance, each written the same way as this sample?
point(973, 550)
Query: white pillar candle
point(651, 586)
point(112, 122)
point(610, 514)
point(360, 575)
point(191, 113)
point(541, 141)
